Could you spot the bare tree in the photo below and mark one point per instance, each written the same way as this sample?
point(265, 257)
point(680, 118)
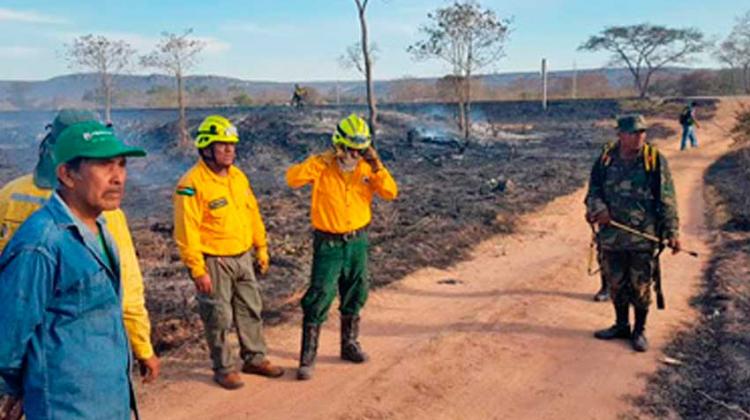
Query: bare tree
point(353, 58)
point(176, 54)
point(735, 50)
point(646, 49)
point(467, 37)
point(366, 64)
point(105, 57)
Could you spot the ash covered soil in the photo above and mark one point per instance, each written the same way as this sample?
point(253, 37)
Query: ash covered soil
point(712, 377)
point(519, 159)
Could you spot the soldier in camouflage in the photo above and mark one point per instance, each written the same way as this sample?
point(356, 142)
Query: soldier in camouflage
point(631, 184)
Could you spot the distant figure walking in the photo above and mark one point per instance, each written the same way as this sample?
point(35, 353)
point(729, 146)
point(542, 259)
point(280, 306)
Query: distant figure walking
point(689, 123)
point(299, 96)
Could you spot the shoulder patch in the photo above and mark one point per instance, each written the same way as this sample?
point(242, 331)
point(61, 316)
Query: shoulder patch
point(186, 191)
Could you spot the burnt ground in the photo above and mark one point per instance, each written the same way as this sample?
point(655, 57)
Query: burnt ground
point(712, 378)
point(520, 159)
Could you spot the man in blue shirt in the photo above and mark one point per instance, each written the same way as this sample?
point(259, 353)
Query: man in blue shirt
point(689, 123)
point(64, 351)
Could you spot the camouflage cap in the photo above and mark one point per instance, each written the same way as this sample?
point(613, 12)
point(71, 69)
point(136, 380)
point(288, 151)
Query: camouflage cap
point(631, 123)
point(69, 116)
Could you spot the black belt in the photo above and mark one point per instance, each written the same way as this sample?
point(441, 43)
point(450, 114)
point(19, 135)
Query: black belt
point(345, 237)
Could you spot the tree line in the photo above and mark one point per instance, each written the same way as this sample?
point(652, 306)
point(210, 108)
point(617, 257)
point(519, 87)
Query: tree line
point(468, 38)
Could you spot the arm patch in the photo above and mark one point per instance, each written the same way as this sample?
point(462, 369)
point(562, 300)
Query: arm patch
point(186, 191)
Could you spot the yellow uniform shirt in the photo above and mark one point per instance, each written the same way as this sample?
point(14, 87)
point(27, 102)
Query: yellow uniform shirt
point(341, 202)
point(20, 198)
point(215, 215)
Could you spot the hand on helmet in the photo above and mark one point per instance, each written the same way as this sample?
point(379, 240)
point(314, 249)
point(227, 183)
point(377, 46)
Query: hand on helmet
point(370, 155)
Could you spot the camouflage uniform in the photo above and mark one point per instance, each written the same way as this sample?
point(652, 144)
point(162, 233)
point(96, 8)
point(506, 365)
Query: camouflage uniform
point(626, 189)
point(638, 193)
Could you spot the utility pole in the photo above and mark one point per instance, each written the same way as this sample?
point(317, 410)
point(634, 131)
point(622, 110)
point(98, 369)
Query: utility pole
point(544, 84)
point(574, 93)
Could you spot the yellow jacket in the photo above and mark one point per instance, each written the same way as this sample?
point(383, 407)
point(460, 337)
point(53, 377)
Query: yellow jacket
point(215, 215)
point(20, 197)
point(341, 203)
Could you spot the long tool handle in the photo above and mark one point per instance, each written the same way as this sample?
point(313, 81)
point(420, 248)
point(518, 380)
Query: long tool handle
point(646, 236)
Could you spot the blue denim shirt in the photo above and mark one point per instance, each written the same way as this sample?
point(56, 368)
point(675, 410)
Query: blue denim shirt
point(63, 346)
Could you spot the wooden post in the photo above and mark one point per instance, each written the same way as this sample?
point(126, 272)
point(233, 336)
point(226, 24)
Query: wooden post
point(544, 84)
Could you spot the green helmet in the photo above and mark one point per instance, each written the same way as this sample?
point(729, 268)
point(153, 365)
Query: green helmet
point(352, 132)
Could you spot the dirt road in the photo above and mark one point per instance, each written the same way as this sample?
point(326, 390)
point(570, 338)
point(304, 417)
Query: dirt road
point(505, 335)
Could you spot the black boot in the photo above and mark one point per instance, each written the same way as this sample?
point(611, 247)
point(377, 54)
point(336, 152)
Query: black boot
point(603, 294)
point(351, 350)
point(310, 335)
point(639, 341)
point(621, 329)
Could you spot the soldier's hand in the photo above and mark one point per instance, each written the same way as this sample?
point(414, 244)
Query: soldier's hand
point(150, 369)
point(204, 284)
point(674, 243)
point(11, 408)
point(263, 260)
point(602, 218)
point(370, 155)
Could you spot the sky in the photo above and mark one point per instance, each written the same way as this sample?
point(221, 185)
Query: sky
point(301, 40)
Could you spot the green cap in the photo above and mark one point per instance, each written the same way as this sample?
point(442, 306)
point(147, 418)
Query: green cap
point(91, 139)
point(631, 123)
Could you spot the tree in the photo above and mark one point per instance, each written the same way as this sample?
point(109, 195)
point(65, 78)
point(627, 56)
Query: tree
point(242, 99)
point(176, 54)
point(367, 60)
point(105, 57)
point(468, 38)
point(645, 49)
point(735, 50)
point(352, 58)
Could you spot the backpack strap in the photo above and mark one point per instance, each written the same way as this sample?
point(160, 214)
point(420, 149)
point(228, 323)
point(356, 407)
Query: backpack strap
point(606, 156)
point(650, 158)
point(655, 175)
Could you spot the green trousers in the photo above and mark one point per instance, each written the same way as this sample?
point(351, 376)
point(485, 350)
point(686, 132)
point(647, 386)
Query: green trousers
point(629, 274)
point(235, 298)
point(338, 266)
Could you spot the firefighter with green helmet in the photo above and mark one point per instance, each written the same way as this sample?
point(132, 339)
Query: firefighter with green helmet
point(217, 226)
point(344, 181)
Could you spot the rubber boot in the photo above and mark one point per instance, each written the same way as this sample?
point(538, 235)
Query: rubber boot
point(639, 341)
point(621, 329)
point(351, 350)
point(310, 336)
point(603, 294)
